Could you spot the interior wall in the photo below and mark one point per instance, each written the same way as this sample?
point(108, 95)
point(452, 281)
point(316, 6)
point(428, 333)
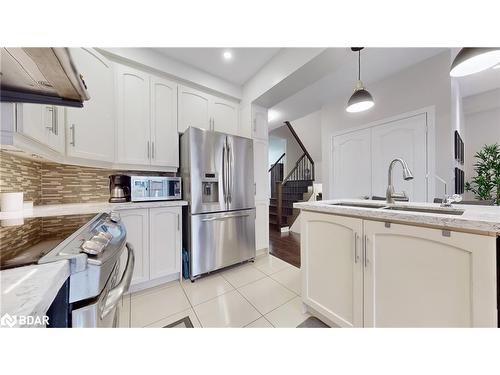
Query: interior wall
point(482, 126)
point(308, 128)
point(292, 148)
point(421, 85)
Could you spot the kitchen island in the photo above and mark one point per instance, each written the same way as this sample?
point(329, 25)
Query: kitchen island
point(372, 264)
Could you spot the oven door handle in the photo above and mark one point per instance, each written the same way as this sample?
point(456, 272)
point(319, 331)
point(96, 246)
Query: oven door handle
point(114, 295)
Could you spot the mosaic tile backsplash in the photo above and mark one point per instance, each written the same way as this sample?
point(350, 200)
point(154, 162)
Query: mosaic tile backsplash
point(52, 183)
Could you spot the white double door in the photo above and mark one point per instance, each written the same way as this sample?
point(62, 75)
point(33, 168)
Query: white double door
point(361, 159)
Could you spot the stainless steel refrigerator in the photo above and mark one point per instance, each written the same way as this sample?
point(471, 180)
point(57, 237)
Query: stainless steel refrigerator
point(218, 183)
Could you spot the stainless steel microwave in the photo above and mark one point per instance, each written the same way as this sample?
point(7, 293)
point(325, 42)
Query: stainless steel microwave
point(147, 188)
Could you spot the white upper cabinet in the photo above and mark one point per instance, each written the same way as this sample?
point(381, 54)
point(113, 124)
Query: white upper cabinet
point(194, 109)
point(164, 136)
point(133, 110)
point(205, 111)
point(225, 116)
point(90, 129)
point(42, 123)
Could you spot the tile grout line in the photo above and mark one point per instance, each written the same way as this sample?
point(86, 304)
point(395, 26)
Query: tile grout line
point(190, 304)
point(251, 304)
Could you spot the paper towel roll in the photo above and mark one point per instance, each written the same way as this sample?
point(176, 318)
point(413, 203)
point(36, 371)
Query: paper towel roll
point(11, 202)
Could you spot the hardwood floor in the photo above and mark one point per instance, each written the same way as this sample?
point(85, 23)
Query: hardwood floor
point(285, 246)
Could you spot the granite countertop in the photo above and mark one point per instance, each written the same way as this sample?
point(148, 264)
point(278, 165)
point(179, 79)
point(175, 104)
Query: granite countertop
point(84, 208)
point(30, 290)
point(484, 219)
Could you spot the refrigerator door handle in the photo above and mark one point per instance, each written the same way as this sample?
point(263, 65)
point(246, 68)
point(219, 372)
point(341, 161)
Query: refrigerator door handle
point(224, 173)
point(214, 218)
point(229, 173)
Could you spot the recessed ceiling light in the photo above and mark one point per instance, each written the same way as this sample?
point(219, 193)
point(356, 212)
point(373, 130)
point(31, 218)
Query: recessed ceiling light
point(272, 115)
point(227, 55)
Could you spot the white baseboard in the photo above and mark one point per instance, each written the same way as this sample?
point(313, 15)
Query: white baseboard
point(262, 251)
point(285, 229)
point(153, 283)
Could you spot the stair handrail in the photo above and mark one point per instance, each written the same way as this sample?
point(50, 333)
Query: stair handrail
point(293, 169)
point(277, 161)
point(292, 130)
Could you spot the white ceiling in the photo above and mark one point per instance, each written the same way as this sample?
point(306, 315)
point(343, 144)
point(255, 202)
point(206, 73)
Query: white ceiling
point(479, 82)
point(244, 64)
point(376, 64)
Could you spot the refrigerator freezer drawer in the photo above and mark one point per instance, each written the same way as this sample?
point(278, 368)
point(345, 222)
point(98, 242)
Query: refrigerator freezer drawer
point(221, 239)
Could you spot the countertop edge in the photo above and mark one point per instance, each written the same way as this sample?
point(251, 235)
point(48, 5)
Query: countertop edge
point(448, 222)
point(33, 295)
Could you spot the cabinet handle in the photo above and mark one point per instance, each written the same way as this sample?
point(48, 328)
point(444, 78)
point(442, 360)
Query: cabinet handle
point(356, 257)
point(51, 126)
point(72, 129)
point(55, 128)
point(148, 151)
point(365, 258)
point(255, 125)
point(153, 149)
point(178, 222)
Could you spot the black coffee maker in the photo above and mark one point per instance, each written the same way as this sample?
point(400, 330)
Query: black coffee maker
point(119, 188)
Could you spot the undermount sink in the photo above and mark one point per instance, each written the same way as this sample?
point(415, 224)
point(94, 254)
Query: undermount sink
point(384, 206)
point(442, 211)
point(363, 205)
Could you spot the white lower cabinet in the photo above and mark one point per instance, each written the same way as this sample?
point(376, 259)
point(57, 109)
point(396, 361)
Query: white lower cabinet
point(156, 236)
point(137, 225)
point(164, 241)
point(331, 264)
point(418, 277)
point(366, 273)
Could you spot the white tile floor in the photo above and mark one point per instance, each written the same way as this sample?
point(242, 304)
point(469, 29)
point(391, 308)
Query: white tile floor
point(265, 293)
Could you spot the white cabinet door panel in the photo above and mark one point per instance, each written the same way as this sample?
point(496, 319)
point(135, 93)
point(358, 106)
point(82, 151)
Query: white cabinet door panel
point(225, 115)
point(332, 271)
point(194, 109)
point(91, 129)
point(262, 225)
point(30, 121)
point(404, 139)
point(416, 277)
point(260, 127)
point(164, 136)
point(137, 225)
point(133, 110)
point(351, 165)
point(165, 237)
point(261, 167)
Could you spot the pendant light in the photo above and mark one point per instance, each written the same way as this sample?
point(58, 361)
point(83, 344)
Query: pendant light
point(473, 60)
point(361, 99)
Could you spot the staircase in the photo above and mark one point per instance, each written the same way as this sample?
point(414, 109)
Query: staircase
point(295, 187)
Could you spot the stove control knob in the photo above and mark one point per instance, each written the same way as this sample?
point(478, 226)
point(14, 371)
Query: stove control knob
point(114, 216)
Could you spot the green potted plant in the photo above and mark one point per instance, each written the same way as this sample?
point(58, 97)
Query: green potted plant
point(486, 184)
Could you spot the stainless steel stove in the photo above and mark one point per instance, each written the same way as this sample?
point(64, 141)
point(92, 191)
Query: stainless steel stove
point(91, 295)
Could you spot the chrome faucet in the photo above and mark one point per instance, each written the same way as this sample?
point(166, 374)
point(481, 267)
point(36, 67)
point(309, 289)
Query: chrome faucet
point(407, 175)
